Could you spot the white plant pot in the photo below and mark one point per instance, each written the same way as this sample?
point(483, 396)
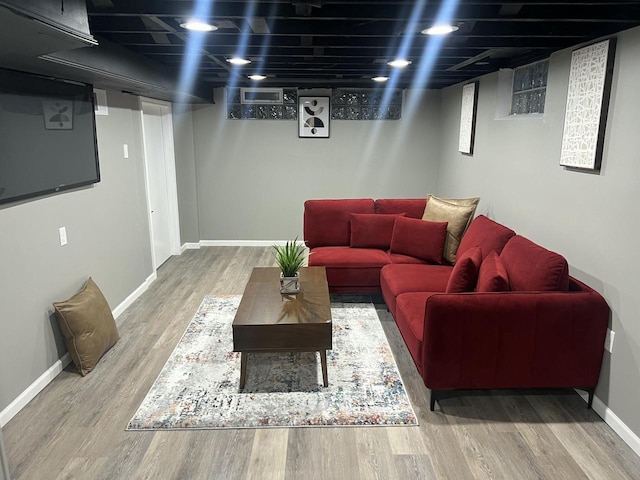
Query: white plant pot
point(289, 284)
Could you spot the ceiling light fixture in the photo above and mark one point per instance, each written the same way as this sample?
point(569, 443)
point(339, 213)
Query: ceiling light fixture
point(443, 29)
point(238, 61)
point(380, 79)
point(198, 26)
point(399, 63)
point(257, 77)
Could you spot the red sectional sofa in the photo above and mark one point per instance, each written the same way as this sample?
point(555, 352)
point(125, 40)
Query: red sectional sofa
point(352, 238)
point(506, 315)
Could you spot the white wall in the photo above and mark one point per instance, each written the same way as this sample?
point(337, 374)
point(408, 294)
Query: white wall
point(254, 176)
point(591, 219)
point(108, 237)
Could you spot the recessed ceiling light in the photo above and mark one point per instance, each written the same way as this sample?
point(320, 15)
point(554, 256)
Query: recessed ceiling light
point(238, 61)
point(380, 79)
point(257, 77)
point(198, 26)
point(443, 29)
point(399, 63)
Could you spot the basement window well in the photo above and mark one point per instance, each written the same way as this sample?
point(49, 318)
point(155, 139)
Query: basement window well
point(262, 104)
point(529, 88)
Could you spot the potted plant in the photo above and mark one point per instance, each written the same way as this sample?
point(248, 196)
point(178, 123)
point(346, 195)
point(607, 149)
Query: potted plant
point(290, 258)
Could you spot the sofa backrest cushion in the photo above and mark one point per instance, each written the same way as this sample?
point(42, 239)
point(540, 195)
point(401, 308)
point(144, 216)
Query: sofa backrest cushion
point(492, 276)
point(534, 268)
point(372, 230)
point(457, 213)
point(418, 238)
point(411, 207)
point(464, 275)
point(328, 222)
point(486, 234)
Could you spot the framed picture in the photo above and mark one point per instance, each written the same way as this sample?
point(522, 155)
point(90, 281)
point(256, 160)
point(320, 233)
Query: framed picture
point(313, 117)
point(58, 114)
point(468, 118)
point(585, 117)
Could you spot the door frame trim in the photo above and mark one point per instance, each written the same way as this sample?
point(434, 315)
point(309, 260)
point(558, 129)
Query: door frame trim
point(170, 172)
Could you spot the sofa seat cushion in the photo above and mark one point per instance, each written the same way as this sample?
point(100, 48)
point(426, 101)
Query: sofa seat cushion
point(372, 230)
point(464, 275)
point(534, 268)
point(396, 279)
point(486, 234)
point(348, 257)
point(328, 222)
point(410, 317)
point(400, 258)
point(411, 207)
point(419, 238)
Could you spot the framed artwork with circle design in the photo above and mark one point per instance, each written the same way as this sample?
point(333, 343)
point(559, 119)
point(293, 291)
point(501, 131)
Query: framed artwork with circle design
point(313, 117)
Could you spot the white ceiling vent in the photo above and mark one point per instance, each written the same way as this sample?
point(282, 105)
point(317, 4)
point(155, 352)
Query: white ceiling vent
point(261, 95)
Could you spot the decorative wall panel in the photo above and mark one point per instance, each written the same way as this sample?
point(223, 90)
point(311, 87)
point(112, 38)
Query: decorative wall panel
point(587, 105)
point(313, 117)
point(468, 117)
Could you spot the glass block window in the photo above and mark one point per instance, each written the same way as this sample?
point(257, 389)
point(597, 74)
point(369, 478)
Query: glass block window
point(287, 110)
point(529, 88)
point(365, 104)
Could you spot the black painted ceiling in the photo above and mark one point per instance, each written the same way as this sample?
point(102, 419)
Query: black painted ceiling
point(325, 43)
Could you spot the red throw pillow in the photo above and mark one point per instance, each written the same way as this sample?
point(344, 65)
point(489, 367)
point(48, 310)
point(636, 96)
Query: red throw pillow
point(372, 230)
point(534, 268)
point(492, 276)
point(419, 238)
point(465, 271)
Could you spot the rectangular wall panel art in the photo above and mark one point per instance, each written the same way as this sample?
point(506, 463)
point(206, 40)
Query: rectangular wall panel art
point(313, 117)
point(587, 105)
point(468, 117)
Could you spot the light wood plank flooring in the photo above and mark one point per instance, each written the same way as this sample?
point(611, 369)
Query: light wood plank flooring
point(74, 429)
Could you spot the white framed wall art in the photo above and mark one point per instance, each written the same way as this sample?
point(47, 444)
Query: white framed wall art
point(585, 116)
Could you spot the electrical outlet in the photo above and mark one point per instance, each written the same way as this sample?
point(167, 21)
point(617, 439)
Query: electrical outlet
point(125, 150)
point(608, 340)
point(62, 231)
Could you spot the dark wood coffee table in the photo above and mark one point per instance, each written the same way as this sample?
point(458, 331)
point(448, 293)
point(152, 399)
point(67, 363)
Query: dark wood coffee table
point(267, 321)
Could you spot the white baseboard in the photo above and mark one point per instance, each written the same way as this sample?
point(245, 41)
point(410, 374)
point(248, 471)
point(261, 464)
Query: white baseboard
point(47, 377)
point(611, 419)
point(189, 246)
point(32, 390)
point(241, 243)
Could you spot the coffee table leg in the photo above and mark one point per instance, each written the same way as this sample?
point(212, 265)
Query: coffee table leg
point(323, 361)
point(243, 369)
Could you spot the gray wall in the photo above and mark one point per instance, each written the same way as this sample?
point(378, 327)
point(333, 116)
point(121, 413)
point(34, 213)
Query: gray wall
point(591, 219)
point(108, 236)
point(254, 176)
point(185, 173)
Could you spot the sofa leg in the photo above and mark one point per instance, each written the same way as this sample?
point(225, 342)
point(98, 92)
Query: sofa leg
point(591, 392)
point(434, 397)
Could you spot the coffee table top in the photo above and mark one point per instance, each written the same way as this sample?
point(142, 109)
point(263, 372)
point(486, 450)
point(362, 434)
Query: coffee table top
point(263, 304)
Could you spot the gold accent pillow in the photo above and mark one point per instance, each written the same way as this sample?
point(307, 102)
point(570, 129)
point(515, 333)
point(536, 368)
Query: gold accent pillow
point(458, 213)
point(88, 326)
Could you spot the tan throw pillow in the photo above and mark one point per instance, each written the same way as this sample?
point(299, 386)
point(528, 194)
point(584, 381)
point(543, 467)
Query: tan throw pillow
point(457, 212)
point(88, 326)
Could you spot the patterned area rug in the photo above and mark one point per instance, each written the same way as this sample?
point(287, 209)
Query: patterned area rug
point(198, 386)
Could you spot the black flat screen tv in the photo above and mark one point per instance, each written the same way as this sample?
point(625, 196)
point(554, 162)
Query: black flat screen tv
point(47, 136)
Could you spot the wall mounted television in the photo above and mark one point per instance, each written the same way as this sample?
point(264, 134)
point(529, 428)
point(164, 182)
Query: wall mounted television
point(47, 136)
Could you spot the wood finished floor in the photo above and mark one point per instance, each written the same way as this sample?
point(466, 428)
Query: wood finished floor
point(74, 429)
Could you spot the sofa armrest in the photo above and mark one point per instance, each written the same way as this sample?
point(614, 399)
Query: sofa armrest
point(514, 339)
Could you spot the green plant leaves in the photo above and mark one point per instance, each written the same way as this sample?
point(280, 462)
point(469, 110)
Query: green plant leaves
point(289, 257)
